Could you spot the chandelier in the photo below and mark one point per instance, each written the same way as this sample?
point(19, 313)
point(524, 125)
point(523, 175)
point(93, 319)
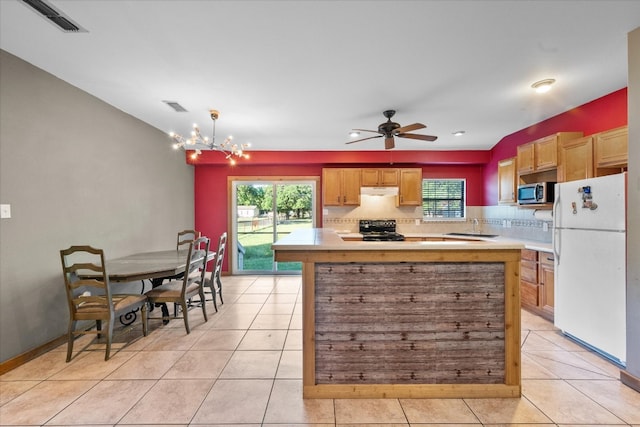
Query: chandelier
point(197, 142)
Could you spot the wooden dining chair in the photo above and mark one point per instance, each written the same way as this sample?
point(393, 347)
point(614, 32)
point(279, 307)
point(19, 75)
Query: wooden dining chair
point(181, 291)
point(93, 299)
point(214, 284)
point(185, 237)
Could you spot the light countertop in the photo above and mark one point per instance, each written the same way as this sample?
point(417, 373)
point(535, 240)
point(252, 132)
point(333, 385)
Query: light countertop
point(327, 239)
point(528, 244)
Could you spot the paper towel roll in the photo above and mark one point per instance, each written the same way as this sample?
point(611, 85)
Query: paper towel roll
point(543, 214)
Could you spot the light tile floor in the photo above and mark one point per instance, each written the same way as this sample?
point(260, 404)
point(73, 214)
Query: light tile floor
point(243, 368)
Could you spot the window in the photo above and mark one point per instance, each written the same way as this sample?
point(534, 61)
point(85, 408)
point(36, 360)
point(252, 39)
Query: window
point(443, 198)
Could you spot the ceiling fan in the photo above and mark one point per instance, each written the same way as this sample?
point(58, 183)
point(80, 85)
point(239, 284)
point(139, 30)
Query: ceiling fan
point(390, 129)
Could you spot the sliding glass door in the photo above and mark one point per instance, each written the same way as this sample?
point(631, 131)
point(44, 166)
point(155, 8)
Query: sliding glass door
point(263, 212)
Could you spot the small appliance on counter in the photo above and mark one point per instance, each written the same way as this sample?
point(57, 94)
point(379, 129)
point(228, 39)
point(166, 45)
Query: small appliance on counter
point(379, 230)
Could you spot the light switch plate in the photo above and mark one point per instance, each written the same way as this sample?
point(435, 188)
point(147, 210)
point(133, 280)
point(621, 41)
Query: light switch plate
point(5, 211)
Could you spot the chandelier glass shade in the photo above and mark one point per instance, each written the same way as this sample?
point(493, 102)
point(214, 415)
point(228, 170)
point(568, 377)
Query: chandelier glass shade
point(197, 142)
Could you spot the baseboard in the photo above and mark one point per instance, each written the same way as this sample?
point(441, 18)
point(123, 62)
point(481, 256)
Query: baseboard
point(630, 380)
point(23, 358)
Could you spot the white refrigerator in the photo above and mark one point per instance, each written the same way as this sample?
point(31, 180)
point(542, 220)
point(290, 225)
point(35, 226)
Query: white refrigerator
point(589, 243)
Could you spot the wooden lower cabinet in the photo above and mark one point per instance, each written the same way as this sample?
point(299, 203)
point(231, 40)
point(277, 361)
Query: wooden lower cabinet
point(547, 284)
point(537, 283)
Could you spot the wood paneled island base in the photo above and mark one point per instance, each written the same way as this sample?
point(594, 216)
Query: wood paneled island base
point(407, 319)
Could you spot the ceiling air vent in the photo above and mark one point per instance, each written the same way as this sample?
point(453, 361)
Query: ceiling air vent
point(173, 104)
point(55, 16)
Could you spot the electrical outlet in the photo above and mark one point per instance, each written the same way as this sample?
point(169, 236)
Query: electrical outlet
point(545, 226)
point(5, 211)
point(417, 221)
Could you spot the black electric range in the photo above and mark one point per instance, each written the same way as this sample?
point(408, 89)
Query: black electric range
point(379, 230)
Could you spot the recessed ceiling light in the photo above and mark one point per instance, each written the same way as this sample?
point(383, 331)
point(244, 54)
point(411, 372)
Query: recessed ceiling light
point(458, 133)
point(543, 86)
point(354, 133)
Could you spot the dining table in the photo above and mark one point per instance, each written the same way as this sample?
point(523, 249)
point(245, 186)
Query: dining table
point(155, 266)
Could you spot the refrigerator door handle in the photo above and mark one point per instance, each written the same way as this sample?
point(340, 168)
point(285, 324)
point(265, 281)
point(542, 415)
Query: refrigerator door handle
point(556, 220)
point(556, 245)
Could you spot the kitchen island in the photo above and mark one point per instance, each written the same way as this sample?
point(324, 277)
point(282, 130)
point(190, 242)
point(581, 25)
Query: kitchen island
point(426, 319)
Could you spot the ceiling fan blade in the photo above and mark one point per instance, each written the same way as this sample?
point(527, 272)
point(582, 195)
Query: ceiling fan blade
point(389, 143)
point(408, 128)
point(366, 130)
point(364, 139)
point(416, 136)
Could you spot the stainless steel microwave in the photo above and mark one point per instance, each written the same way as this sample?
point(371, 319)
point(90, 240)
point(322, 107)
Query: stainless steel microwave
point(539, 192)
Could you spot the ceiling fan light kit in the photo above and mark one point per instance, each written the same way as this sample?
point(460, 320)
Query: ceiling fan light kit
point(197, 142)
point(389, 130)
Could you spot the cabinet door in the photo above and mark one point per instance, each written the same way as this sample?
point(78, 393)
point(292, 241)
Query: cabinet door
point(546, 300)
point(546, 153)
point(525, 158)
point(576, 157)
point(611, 148)
point(410, 187)
point(351, 187)
point(529, 279)
point(528, 294)
point(388, 177)
point(332, 187)
point(370, 177)
point(507, 181)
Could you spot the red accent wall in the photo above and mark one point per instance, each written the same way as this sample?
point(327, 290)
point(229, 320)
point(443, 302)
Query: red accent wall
point(607, 112)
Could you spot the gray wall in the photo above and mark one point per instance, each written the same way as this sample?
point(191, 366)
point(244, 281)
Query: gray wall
point(75, 170)
point(633, 208)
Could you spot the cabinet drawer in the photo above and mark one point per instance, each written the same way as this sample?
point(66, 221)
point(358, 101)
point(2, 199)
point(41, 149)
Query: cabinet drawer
point(546, 258)
point(530, 255)
point(528, 293)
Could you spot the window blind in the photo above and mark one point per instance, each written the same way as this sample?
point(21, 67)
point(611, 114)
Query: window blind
point(443, 198)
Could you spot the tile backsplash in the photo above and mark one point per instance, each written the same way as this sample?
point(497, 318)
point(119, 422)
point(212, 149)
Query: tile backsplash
point(507, 221)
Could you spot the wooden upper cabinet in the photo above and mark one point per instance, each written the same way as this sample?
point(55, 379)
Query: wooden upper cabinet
point(525, 159)
point(387, 177)
point(351, 187)
point(410, 191)
point(611, 148)
point(507, 181)
point(539, 160)
point(546, 153)
point(576, 157)
point(341, 187)
point(332, 187)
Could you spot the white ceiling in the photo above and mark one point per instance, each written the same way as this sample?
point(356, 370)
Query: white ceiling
point(298, 75)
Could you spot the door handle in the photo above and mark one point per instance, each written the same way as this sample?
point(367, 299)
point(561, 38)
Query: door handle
point(556, 235)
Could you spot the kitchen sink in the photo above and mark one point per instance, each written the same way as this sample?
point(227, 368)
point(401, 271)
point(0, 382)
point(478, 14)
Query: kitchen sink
point(488, 236)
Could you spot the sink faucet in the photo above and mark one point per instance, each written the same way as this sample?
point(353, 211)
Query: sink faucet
point(475, 225)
